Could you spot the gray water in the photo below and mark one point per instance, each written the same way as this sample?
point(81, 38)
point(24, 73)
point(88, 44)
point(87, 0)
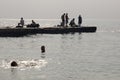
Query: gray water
point(85, 56)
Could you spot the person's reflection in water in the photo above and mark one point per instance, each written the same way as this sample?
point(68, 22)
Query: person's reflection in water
point(43, 55)
point(14, 70)
point(14, 74)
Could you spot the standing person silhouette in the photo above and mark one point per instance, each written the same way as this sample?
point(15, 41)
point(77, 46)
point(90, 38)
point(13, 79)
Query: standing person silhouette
point(66, 19)
point(79, 20)
point(63, 20)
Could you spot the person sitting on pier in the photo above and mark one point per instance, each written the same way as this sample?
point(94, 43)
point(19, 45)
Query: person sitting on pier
point(33, 24)
point(72, 23)
point(21, 24)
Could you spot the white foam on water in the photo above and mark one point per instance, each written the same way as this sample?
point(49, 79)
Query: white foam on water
point(25, 64)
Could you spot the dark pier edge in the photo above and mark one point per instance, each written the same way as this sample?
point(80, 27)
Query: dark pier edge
point(20, 32)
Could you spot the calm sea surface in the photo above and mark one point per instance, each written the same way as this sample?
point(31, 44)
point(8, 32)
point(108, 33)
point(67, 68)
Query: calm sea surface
point(85, 56)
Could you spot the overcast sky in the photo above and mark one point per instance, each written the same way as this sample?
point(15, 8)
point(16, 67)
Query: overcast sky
point(51, 9)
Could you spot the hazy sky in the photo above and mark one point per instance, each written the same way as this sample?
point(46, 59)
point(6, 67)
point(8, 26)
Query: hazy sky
point(54, 8)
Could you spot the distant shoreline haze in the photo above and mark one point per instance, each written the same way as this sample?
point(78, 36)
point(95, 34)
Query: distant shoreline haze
point(53, 9)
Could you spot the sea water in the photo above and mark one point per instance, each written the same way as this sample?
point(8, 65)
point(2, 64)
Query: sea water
point(79, 56)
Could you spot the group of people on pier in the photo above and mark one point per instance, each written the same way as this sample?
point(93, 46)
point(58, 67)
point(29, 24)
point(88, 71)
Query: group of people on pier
point(65, 21)
point(22, 23)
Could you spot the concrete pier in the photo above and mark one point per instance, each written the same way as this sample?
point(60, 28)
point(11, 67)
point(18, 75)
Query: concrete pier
point(18, 32)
